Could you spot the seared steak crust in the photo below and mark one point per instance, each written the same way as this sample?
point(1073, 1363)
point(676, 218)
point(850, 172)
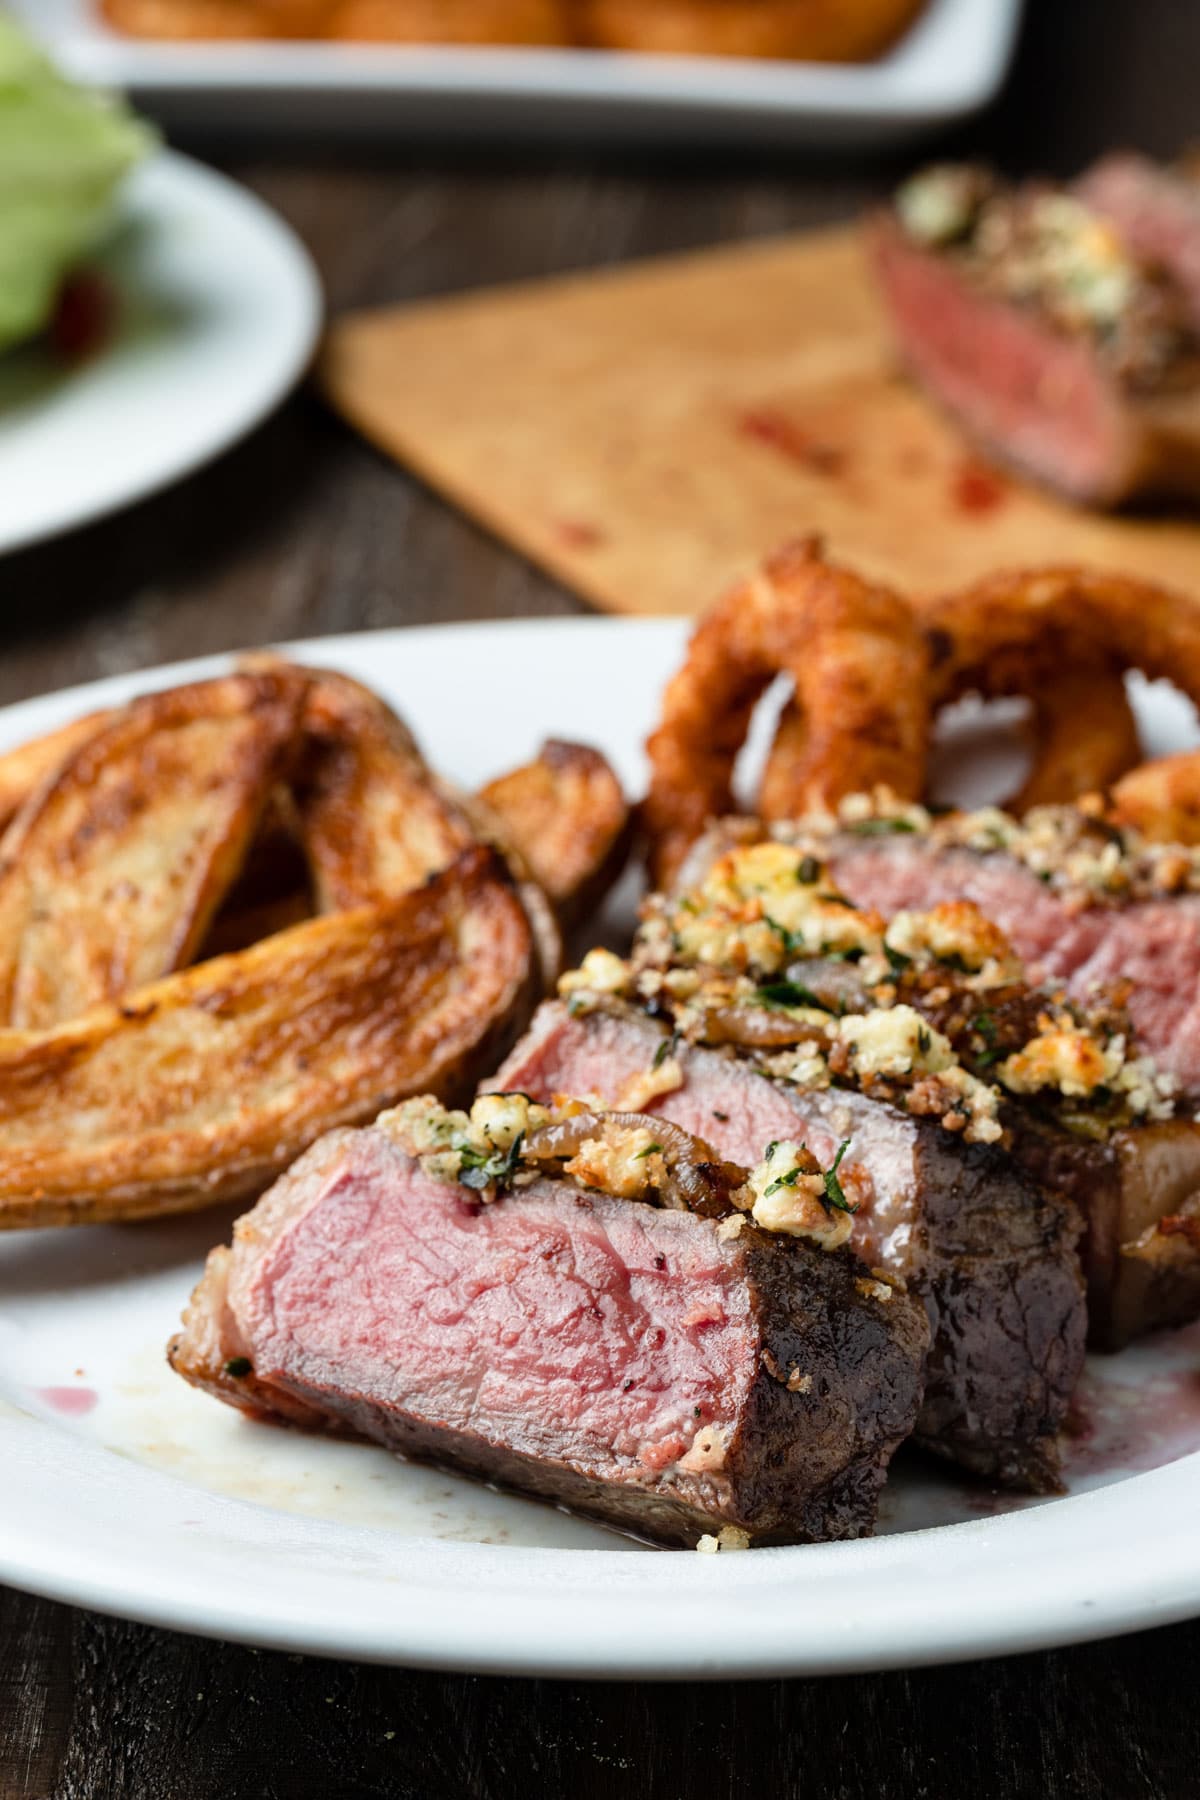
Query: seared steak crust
point(992, 1257)
point(1125, 1188)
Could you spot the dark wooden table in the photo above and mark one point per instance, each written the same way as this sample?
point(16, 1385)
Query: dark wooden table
point(303, 531)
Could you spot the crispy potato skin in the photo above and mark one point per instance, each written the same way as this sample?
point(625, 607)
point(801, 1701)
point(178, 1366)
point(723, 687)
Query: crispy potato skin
point(566, 815)
point(204, 1086)
point(270, 789)
point(860, 718)
point(361, 817)
point(112, 871)
point(23, 770)
point(372, 819)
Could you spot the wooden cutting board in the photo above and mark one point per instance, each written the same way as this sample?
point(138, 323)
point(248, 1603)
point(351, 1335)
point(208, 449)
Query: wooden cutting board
point(647, 433)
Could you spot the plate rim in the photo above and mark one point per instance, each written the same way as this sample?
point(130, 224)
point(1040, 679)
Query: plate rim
point(164, 178)
point(820, 1609)
point(962, 53)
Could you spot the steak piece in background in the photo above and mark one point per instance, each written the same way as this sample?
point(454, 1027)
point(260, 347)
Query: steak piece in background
point(634, 1364)
point(1054, 351)
point(993, 1259)
point(1138, 1192)
point(1156, 210)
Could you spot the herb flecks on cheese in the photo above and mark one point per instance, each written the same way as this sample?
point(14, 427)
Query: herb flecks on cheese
point(627, 1157)
point(793, 1194)
point(481, 1148)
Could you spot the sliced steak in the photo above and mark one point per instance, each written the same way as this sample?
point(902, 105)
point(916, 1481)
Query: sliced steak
point(1048, 396)
point(1153, 944)
point(993, 1260)
point(1155, 209)
point(634, 1364)
point(1131, 1189)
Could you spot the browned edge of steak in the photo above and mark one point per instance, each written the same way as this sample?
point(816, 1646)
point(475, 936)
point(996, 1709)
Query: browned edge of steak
point(801, 1466)
point(1124, 1187)
point(993, 1257)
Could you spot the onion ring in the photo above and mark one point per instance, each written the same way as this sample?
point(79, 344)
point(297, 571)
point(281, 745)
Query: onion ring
point(754, 1028)
point(856, 654)
point(1020, 630)
point(1046, 633)
point(1161, 799)
point(845, 32)
point(1084, 737)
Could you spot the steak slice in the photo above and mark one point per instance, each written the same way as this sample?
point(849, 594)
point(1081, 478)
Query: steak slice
point(993, 1259)
point(1153, 944)
point(638, 1365)
point(991, 361)
point(1156, 210)
point(1142, 1272)
point(1137, 1187)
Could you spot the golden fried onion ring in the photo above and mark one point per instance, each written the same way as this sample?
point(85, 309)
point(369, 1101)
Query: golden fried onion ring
point(857, 656)
point(1021, 630)
point(836, 31)
point(1084, 737)
point(1161, 799)
point(1063, 636)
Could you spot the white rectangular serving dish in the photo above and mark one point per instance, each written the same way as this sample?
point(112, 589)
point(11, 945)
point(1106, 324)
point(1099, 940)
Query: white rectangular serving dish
point(952, 63)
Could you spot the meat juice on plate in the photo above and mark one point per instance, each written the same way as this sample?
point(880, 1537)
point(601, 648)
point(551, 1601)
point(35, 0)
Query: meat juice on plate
point(84, 1315)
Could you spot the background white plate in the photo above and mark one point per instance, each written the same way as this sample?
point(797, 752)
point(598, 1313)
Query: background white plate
point(950, 65)
point(123, 1489)
point(219, 308)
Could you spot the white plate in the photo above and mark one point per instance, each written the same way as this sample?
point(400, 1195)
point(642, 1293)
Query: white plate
point(125, 1490)
point(949, 65)
point(219, 308)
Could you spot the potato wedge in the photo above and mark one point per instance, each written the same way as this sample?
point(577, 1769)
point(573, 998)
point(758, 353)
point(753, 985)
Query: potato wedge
point(566, 815)
point(202, 1087)
point(114, 869)
point(23, 770)
point(273, 889)
point(373, 818)
point(373, 821)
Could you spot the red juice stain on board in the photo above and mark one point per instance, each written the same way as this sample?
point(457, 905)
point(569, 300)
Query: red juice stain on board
point(72, 1402)
point(778, 432)
point(976, 490)
point(579, 534)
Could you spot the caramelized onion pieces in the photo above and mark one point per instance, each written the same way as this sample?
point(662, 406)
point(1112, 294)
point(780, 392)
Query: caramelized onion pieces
point(755, 1028)
point(696, 1179)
